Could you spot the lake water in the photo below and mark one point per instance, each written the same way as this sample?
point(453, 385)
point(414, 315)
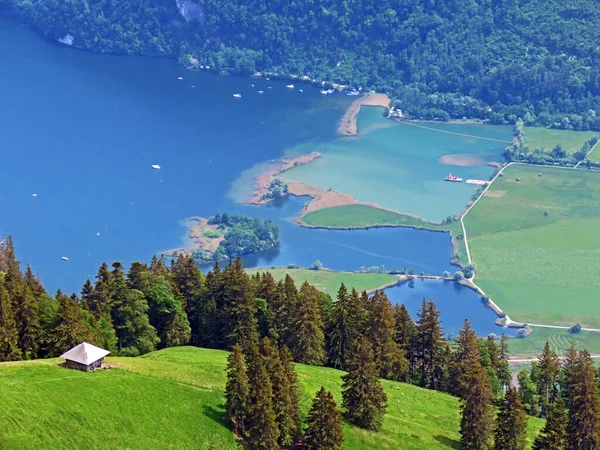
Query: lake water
point(81, 131)
point(396, 165)
point(455, 302)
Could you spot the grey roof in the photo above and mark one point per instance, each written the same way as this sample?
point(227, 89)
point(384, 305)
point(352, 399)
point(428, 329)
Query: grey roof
point(85, 353)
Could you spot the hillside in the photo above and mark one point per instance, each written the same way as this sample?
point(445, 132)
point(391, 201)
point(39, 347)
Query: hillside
point(173, 398)
point(498, 60)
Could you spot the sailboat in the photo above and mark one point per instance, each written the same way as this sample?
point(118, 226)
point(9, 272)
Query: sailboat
point(156, 166)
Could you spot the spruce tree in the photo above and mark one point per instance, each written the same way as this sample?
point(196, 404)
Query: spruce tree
point(363, 397)
point(429, 341)
point(467, 351)
point(549, 369)
point(71, 328)
point(406, 328)
point(9, 336)
point(324, 424)
point(237, 390)
point(26, 310)
point(130, 317)
point(295, 390)
point(511, 423)
point(341, 331)
point(306, 328)
point(554, 434)
point(566, 379)
point(583, 429)
point(504, 375)
point(101, 301)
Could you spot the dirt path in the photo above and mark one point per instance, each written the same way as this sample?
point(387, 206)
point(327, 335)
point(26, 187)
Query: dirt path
point(348, 126)
point(587, 154)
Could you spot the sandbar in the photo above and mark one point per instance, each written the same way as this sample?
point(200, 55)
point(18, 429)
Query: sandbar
point(348, 125)
point(466, 159)
point(198, 238)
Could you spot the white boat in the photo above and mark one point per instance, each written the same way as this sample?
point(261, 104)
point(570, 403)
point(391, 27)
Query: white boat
point(34, 195)
point(300, 90)
point(98, 233)
point(156, 166)
point(180, 78)
point(64, 258)
point(237, 95)
point(261, 92)
point(454, 178)
point(290, 86)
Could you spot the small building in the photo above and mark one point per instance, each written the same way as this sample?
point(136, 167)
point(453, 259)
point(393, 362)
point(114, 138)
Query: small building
point(86, 357)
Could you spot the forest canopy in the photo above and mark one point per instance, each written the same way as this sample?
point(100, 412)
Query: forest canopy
point(489, 59)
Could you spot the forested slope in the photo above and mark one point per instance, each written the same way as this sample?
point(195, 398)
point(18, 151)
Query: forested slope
point(494, 59)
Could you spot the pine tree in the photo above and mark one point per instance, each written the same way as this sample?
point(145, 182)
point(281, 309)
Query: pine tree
point(428, 343)
point(285, 403)
point(324, 430)
point(504, 375)
point(583, 429)
point(33, 283)
point(101, 302)
point(237, 390)
point(261, 427)
point(341, 331)
point(306, 328)
point(71, 328)
point(477, 411)
point(511, 423)
point(9, 336)
point(130, 317)
point(295, 390)
point(568, 373)
point(26, 316)
point(406, 328)
point(554, 434)
point(467, 351)
point(549, 368)
point(363, 397)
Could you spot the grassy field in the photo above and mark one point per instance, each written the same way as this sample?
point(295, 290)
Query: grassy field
point(364, 216)
point(536, 137)
point(174, 399)
point(559, 340)
point(329, 281)
point(540, 268)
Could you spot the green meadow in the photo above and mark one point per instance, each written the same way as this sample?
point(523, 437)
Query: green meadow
point(546, 138)
point(173, 398)
point(536, 247)
point(559, 340)
point(329, 281)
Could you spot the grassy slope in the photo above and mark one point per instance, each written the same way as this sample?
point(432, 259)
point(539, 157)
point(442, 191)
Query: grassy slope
point(174, 399)
point(329, 281)
point(546, 138)
point(363, 216)
point(540, 268)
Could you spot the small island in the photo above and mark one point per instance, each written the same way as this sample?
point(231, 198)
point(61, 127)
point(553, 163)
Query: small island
point(225, 236)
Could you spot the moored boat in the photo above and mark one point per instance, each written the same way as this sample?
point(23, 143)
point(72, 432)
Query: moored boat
point(452, 177)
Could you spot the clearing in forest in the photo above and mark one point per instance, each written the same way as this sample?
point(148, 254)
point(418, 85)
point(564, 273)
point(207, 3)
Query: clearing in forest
point(537, 248)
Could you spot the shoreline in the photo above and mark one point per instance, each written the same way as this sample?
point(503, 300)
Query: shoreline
point(348, 125)
point(199, 241)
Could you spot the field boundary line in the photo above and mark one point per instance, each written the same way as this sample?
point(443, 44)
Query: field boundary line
point(412, 124)
point(588, 154)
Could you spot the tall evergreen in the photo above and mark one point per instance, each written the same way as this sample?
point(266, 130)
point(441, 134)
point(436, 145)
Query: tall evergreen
point(285, 403)
point(429, 340)
point(286, 310)
point(554, 434)
point(237, 390)
point(306, 328)
point(363, 397)
point(504, 375)
point(9, 336)
point(101, 301)
point(511, 423)
point(33, 283)
point(239, 307)
point(466, 353)
point(130, 317)
point(262, 432)
point(295, 390)
point(324, 424)
point(567, 376)
point(549, 369)
point(27, 317)
point(406, 328)
point(341, 330)
point(583, 429)
point(71, 328)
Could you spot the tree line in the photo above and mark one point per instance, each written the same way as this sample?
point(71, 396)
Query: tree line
point(495, 60)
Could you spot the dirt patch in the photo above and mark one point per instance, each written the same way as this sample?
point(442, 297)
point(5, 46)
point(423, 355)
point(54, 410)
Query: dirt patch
point(495, 194)
point(321, 198)
point(466, 159)
point(348, 126)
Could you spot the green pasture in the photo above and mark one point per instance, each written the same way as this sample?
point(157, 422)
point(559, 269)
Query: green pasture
point(546, 138)
point(536, 247)
point(173, 398)
point(329, 281)
point(559, 340)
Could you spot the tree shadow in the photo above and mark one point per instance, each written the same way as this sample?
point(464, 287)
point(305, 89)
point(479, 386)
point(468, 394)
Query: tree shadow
point(453, 443)
point(217, 415)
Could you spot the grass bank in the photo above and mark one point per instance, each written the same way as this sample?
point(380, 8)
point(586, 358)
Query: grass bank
point(329, 281)
point(173, 398)
point(535, 243)
point(546, 138)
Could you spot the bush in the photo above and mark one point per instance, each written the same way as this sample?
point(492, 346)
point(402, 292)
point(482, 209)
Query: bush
point(446, 274)
point(292, 266)
point(212, 234)
point(521, 333)
point(485, 299)
point(575, 329)
point(458, 275)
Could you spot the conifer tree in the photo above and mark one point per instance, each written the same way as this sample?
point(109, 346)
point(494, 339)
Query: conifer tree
point(406, 328)
point(87, 293)
point(187, 277)
point(511, 423)
point(583, 429)
point(165, 312)
point(28, 323)
point(554, 434)
point(295, 390)
point(237, 390)
point(261, 427)
point(33, 283)
point(101, 301)
point(467, 351)
point(363, 397)
point(549, 369)
point(324, 430)
point(285, 403)
point(504, 375)
point(286, 310)
point(306, 328)
point(9, 336)
point(357, 310)
point(136, 276)
point(341, 331)
point(71, 328)
point(428, 343)
point(130, 317)
point(566, 379)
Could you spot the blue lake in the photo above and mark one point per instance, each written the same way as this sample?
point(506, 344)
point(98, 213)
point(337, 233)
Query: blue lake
point(81, 131)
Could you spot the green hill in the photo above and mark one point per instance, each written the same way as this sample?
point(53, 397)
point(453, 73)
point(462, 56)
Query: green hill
point(173, 398)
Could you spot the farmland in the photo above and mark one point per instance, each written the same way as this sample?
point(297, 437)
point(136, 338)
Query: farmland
point(537, 137)
point(173, 398)
point(534, 239)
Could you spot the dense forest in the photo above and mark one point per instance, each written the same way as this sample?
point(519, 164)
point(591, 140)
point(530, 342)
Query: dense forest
point(488, 59)
point(269, 324)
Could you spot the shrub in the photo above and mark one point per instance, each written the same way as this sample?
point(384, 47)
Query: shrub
point(485, 299)
point(521, 333)
point(212, 234)
point(545, 213)
point(446, 274)
point(292, 266)
point(575, 329)
point(458, 275)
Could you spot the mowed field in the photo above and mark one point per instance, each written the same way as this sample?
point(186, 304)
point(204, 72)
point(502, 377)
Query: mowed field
point(559, 340)
point(174, 398)
point(540, 268)
point(329, 281)
point(546, 138)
